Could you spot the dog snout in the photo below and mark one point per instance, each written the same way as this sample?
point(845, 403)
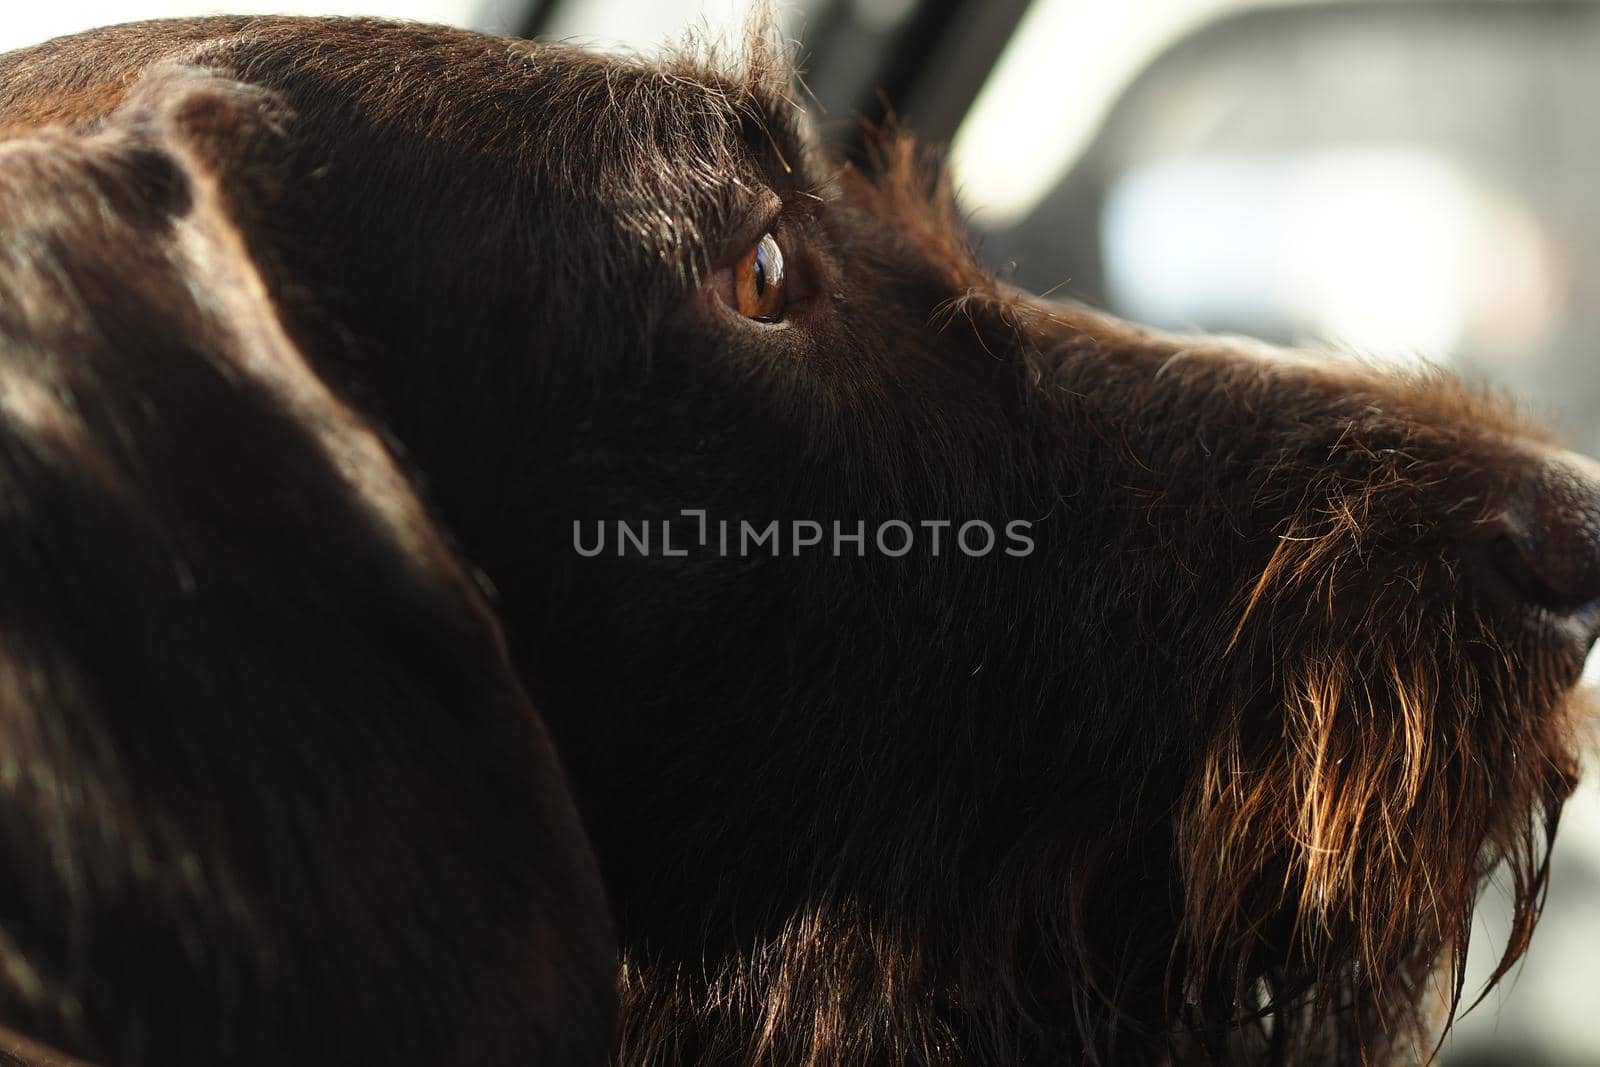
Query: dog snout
point(1544, 549)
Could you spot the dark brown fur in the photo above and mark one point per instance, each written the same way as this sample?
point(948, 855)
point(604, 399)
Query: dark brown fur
point(271, 790)
point(1214, 774)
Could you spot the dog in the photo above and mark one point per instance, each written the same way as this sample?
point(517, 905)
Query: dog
point(925, 672)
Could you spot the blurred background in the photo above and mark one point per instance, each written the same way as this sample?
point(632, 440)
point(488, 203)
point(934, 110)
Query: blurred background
point(1413, 179)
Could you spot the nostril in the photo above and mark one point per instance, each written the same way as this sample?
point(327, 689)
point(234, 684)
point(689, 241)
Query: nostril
point(1540, 578)
point(1548, 547)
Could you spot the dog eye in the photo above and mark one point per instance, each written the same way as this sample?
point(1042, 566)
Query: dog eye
point(758, 282)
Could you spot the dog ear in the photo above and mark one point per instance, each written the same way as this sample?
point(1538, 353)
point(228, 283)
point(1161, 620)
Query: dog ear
point(237, 134)
point(269, 790)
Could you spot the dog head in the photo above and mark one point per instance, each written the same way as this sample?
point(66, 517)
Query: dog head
point(944, 673)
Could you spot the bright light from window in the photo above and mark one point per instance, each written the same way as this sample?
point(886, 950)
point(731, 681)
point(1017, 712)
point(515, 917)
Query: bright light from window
point(629, 24)
point(1392, 252)
point(29, 23)
point(1065, 66)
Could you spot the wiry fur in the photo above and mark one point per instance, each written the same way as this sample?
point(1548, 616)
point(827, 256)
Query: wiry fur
point(1375, 765)
point(1214, 774)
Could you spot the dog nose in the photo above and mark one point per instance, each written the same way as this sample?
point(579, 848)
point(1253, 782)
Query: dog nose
point(1547, 545)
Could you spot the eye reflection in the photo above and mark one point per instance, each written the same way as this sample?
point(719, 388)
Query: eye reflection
point(759, 291)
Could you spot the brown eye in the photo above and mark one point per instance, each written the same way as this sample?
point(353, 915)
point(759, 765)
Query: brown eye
point(758, 282)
